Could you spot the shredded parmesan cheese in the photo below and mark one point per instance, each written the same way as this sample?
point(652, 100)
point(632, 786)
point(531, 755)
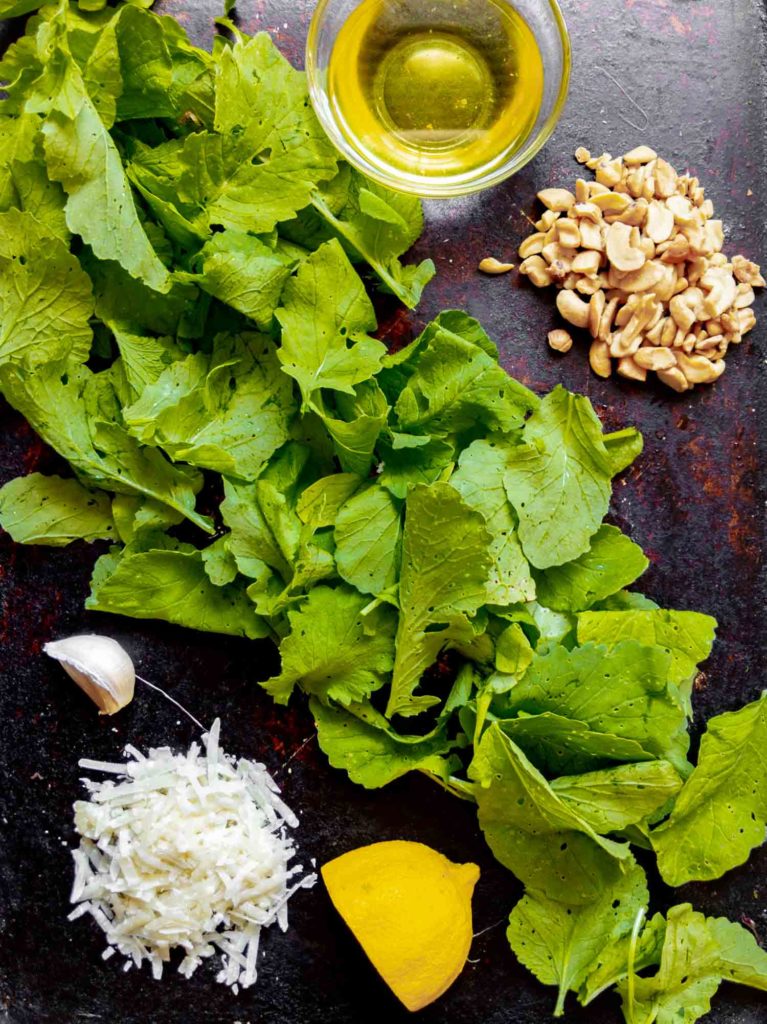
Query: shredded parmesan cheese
point(185, 850)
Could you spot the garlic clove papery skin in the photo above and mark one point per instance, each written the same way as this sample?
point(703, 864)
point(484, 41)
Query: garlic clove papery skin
point(99, 666)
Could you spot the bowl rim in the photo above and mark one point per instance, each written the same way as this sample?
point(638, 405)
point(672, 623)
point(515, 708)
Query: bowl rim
point(430, 188)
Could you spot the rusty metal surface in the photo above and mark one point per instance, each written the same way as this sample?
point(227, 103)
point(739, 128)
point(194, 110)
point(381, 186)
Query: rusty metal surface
point(696, 502)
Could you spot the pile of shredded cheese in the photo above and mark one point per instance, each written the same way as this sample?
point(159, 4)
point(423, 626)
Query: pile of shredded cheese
point(185, 850)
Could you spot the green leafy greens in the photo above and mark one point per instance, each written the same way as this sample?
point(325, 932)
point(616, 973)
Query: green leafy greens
point(182, 319)
point(721, 813)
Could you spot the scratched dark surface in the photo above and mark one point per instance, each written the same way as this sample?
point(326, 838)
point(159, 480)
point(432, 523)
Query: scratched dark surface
point(696, 502)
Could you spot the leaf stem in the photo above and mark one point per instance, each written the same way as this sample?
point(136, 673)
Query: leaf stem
point(338, 225)
point(455, 786)
point(631, 978)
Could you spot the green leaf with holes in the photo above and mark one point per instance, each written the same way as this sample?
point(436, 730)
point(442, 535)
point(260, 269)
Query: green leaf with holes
point(479, 479)
point(39, 509)
point(698, 954)
point(612, 562)
point(687, 636)
point(559, 942)
point(267, 153)
point(721, 813)
point(378, 226)
point(245, 273)
point(535, 833)
point(368, 538)
point(172, 584)
point(46, 299)
point(445, 565)
point(81, 155)
point(558, 480)
point(228, 411)
point(77, 412)
point(613, 798)
point(614, 962)
point(559, 745)
point(621, 691)
point(325, 317)
point(360, 742)
point(333, 651)
point(457, 384)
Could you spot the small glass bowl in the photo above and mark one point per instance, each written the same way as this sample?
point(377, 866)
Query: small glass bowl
point(544, 18)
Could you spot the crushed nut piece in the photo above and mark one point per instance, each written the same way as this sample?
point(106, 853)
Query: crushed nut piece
point(655, 358)
point(596, 309)
point(640, 155)
point(592, 235)
point(557, 199)
point(490, 265)
point(573, 309)
point(568, 233)
point(642, 245)
point(621, 253)
point(536, 269)
point(599, 357)
point(660, 222)
point(532, 245)
point(608, 172)
point(699, 369)
point(606, 322)
point(674, 378)
point(747, 272)
point(560, 340)
point(746, 320)
point(745, 296)
point(586, 262)
point(665, 179)
point(628, 368)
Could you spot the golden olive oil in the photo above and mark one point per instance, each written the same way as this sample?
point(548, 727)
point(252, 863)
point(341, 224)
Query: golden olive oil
point(436, 88)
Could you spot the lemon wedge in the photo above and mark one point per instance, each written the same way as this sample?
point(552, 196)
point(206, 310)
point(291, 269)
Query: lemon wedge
point(410, 910)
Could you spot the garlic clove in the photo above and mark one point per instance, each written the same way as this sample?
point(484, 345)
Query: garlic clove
point(99, 666)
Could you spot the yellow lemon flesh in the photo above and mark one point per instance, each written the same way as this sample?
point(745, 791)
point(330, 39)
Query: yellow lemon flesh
point(410, 909)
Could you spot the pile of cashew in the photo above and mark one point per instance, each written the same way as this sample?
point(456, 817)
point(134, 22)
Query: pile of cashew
point(637, 256)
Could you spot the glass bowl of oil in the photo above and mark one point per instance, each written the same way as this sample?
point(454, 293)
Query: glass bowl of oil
point(438, 97)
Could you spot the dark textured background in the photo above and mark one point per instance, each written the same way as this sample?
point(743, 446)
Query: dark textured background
point(696, 502)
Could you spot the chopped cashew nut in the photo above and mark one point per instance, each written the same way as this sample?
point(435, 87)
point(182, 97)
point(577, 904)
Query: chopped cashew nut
point(568, 233)
point(620, 251)
point(490, 265)
point(674, 378)
point(596, 309)
point(560, 340)
point(573, 309)
point(665, 179)
point(747, 272)
point(652, 358)
point(682, 209)
point(637, 258)
point(558, 199)
point(535, 268)
point(599, 358)
point(587, 210)
point(592, 236)
point(660, 222)
point(628, 368)
point(611, 202)
point(532, 245)
point(640, 155)
point(586, 262)
point(698, 369)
